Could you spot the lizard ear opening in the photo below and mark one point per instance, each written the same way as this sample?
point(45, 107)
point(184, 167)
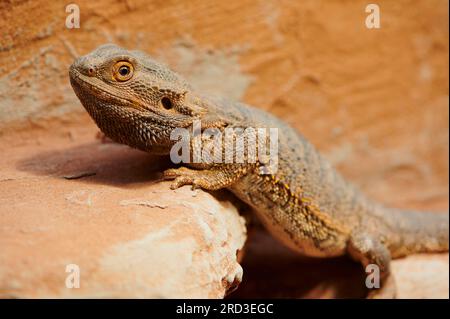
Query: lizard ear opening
point(166, 103)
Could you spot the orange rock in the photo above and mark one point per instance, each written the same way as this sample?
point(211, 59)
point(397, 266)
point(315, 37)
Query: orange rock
point(94, 206)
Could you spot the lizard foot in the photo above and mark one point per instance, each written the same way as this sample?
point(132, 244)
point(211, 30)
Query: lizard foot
point(206, 179)
point(369, 250)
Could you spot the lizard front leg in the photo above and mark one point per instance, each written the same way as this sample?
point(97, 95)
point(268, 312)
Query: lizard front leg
point(209, 179)
point(367, 249)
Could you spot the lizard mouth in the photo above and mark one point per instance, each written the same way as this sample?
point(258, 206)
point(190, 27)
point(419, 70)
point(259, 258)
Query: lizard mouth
point(100, 90)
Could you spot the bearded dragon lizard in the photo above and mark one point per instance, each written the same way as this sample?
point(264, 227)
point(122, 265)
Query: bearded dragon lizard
point(305, 204)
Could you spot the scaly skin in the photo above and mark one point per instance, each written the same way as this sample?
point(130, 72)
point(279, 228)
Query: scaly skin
point(306, 204)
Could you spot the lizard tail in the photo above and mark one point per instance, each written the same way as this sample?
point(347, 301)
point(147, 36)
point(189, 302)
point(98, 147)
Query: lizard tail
point(418, 232)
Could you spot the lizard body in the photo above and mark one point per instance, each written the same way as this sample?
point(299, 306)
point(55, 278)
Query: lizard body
point(305, 204)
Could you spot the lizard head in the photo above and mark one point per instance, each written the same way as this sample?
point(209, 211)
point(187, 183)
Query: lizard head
point(134, 99)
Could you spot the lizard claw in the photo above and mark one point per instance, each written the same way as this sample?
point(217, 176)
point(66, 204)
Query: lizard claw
point(180, 177)
point(204, 179)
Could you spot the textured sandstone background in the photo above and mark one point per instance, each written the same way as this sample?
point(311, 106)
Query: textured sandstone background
point(375, 102)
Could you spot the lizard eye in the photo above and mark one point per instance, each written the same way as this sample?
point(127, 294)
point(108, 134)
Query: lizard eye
point(166, 103)
point(122, 71)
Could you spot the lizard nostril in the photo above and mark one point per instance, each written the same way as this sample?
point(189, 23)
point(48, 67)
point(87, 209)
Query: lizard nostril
point(91, 71)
